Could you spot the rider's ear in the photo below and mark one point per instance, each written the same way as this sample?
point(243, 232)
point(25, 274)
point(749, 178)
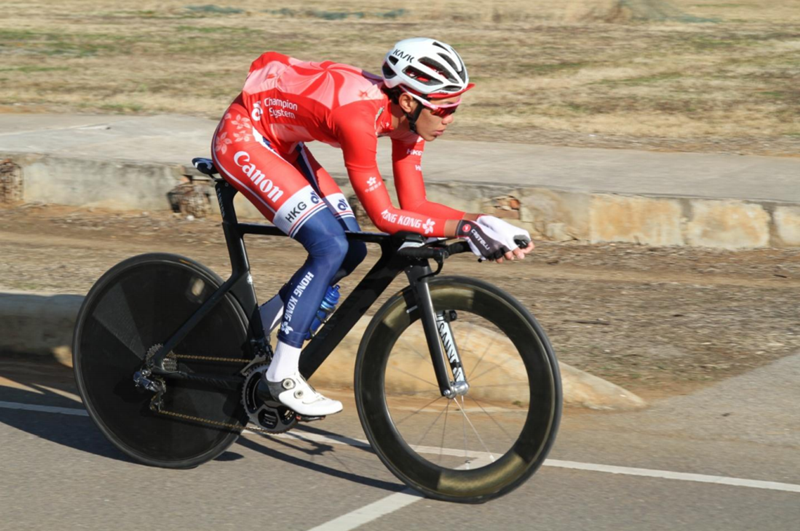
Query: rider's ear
point(407, 102)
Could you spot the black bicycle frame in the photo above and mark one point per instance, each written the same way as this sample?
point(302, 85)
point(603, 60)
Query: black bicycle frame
point(240, 285)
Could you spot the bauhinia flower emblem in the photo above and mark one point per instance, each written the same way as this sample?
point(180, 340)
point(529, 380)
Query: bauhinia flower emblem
point(242, 122)
point(244, 136)
point(222, 143)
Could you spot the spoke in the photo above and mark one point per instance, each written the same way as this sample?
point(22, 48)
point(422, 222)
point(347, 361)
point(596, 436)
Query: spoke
point(464, 425)
point(507, 408)
point(417, 411)
point(431, 426)
point(497, 366)
point(493, 419)
point(486, 351)
point(520, 384)
point(464, 413)
point(415, 376)
point(444, 429)
point(424, 392)
point(465, 342)
point(411, 347)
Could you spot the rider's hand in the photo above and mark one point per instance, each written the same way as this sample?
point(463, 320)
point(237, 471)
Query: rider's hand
point(483, 241)
point(510, 235)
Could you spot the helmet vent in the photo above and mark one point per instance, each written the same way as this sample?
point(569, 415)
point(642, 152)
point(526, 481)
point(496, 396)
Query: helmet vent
point(449, 61)
point(388, 73)
point(419, 76)
point(438, 67)
point(451, 88)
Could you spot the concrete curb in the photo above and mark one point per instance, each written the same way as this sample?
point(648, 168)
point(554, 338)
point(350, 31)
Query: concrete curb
point(42, 324)
point(562, 215)
point(38, 324)
point(549, 213)
point(119, 185)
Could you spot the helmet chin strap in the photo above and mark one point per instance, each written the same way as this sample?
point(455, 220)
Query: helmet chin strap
point(412, 118)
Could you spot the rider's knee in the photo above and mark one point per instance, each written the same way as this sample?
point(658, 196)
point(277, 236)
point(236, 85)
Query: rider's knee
point(331, 250)
point(356, 253)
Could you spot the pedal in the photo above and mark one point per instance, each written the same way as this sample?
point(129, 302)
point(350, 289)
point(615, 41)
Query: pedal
point(302, 418)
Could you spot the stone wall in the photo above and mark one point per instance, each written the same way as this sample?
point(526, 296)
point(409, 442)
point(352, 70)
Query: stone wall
point(547, 213)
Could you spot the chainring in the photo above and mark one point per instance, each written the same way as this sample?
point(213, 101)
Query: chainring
point(264, 411)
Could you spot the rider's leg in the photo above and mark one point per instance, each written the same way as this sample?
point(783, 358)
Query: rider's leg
point(327, 246)
point(326, 187)
point(283, 195)
point(324, 184)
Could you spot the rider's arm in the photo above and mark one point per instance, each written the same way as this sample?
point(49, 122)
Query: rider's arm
point(357, 137)
point(354, 130)
point(407, 166)
point(407, 169)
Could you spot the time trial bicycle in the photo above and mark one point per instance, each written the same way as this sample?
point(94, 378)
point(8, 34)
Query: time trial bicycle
point(456, 384)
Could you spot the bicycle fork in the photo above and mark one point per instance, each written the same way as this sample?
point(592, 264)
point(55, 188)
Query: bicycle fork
point(438, 335)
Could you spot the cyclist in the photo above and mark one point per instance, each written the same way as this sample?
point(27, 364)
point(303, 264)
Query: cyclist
point(260, 148)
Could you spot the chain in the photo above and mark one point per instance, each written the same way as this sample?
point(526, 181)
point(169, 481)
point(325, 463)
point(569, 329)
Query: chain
point(154, 402)
point(183, 416)
point(208, 358)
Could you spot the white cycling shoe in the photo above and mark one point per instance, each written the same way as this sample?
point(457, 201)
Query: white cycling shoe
point(298, 395)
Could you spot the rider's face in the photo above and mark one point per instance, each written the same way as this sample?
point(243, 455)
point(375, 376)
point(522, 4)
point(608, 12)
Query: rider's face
point(431, 123)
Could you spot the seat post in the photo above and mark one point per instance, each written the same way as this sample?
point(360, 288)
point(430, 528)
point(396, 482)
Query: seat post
point(225, 195)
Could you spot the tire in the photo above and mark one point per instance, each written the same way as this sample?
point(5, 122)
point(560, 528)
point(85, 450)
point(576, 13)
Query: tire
point(499, 433)
point(136, 305)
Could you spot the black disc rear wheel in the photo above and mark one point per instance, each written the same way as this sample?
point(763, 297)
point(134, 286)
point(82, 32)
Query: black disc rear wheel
point(133, 309)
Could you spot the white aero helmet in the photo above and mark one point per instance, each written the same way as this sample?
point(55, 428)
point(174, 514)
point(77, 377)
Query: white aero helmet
point(426, 66)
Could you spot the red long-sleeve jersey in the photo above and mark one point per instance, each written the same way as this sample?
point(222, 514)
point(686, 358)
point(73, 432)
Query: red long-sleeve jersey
point(292, 101)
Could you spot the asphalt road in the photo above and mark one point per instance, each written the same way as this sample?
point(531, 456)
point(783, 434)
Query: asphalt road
point(723, 458)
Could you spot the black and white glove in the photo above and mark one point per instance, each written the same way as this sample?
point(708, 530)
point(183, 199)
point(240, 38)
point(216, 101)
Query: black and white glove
point(511, 236)
point(483, 241)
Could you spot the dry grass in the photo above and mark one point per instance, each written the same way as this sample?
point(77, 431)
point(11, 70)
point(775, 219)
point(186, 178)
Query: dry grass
point(701, 75)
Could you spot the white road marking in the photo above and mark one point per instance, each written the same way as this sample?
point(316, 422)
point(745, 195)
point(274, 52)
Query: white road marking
point(574, 465)
point(45, 409)
point(682, 476)
point(555, 463)
point(370, 512)
point(373, 511)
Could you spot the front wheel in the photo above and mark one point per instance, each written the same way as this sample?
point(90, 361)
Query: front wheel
point(474, 447)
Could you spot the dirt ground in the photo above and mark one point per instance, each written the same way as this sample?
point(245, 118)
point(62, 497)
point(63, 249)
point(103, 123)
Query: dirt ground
point(663, 75)
point(658, 321)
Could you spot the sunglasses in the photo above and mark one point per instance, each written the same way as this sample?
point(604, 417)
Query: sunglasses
point(441, 111)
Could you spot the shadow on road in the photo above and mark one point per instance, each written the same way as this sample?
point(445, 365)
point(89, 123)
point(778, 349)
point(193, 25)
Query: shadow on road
point(317, 449)
point(52, 385)
point(355, 443)
point(73, 431)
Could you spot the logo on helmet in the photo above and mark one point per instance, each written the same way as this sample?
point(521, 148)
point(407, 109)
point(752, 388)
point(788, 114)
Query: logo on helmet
point(403, 55)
